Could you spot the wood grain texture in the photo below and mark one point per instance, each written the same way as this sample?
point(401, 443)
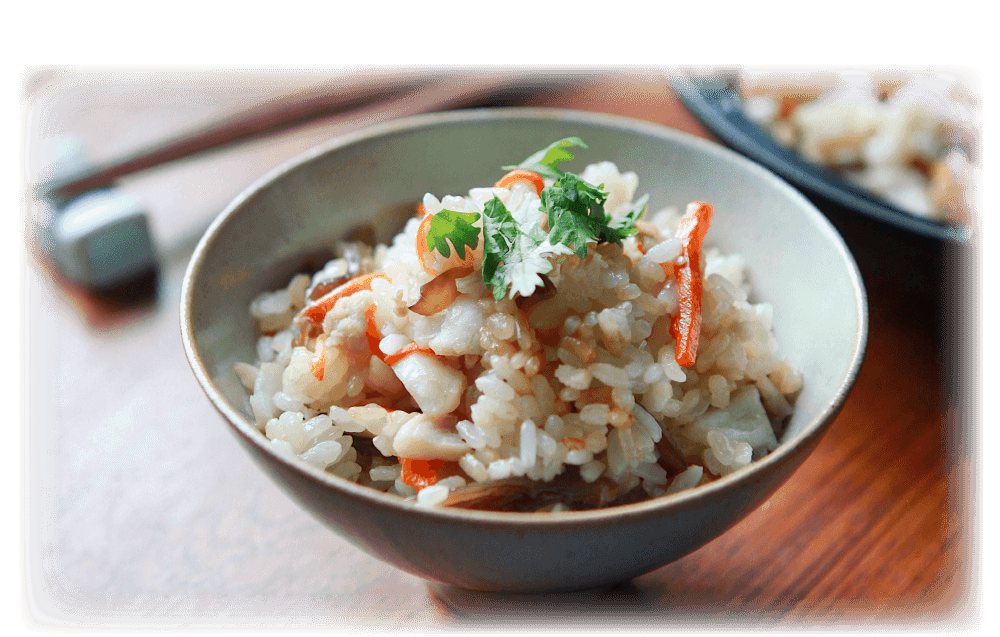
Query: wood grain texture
point(143, 511)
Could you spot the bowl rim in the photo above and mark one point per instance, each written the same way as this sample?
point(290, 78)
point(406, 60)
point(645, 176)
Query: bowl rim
point(656, 506)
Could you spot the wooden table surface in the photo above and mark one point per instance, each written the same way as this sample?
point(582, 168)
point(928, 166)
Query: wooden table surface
point(142, 509)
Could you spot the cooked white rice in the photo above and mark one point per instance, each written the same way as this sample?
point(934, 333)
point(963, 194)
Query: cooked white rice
point(584, 383)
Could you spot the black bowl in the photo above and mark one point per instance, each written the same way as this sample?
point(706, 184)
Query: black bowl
point(715, 100)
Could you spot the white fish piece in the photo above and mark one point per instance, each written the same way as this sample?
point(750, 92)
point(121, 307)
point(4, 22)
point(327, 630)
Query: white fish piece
point(428, 438)
point(744, 420)
point(436, 387)
point(460, 330)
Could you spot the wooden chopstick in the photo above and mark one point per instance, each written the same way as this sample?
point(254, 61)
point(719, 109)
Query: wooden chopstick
point(366, 100)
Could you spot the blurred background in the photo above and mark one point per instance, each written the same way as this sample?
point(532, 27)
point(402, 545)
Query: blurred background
point(142, 509)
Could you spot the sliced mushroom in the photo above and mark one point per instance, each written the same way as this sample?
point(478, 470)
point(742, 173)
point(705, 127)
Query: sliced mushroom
point(440, 292)
point(670, 458)
point(320, 289)
point(525, 495)
point(354, 259)
point(650, 231)
point(526, 303)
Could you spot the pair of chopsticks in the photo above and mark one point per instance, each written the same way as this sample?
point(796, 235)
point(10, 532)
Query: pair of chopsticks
point(367, 99)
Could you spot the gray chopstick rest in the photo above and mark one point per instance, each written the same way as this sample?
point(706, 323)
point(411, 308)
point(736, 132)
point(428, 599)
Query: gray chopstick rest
point(100, 239)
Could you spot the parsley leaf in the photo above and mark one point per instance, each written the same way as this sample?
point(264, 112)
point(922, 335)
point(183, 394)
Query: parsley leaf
point(546, 161)
point(522, 264)
point(624, 225)
point(576, 214)
point(456, 226)
point(514, 254)
point(499, 232)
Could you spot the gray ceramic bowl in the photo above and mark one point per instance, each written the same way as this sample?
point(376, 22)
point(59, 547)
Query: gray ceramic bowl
point(796, 261)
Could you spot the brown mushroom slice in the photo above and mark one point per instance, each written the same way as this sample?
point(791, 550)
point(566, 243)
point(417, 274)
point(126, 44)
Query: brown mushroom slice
point(353, 260)
point(323, 287)
point(527, 303)
point(670, 458)
point(647, 229)
point(528, 496)
point(440, 292)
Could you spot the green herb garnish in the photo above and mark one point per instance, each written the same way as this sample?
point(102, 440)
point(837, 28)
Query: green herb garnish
point(546, 161)
point(516, 254)
point(455, 226)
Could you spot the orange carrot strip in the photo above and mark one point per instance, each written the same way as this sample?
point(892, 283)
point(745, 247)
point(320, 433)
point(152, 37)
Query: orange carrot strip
point(685, 326)
point(318, 310)
point(787, 106)
point(422, 251)
point(412, 348)
point(374, 338)
point(420, 473)
point(421, 211)
point(318, 367)
point(573, 443)
point(520, 174)
point(371, 331)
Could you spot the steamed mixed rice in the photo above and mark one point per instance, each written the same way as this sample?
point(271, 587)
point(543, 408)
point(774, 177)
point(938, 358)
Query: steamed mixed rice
point(579, 387)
